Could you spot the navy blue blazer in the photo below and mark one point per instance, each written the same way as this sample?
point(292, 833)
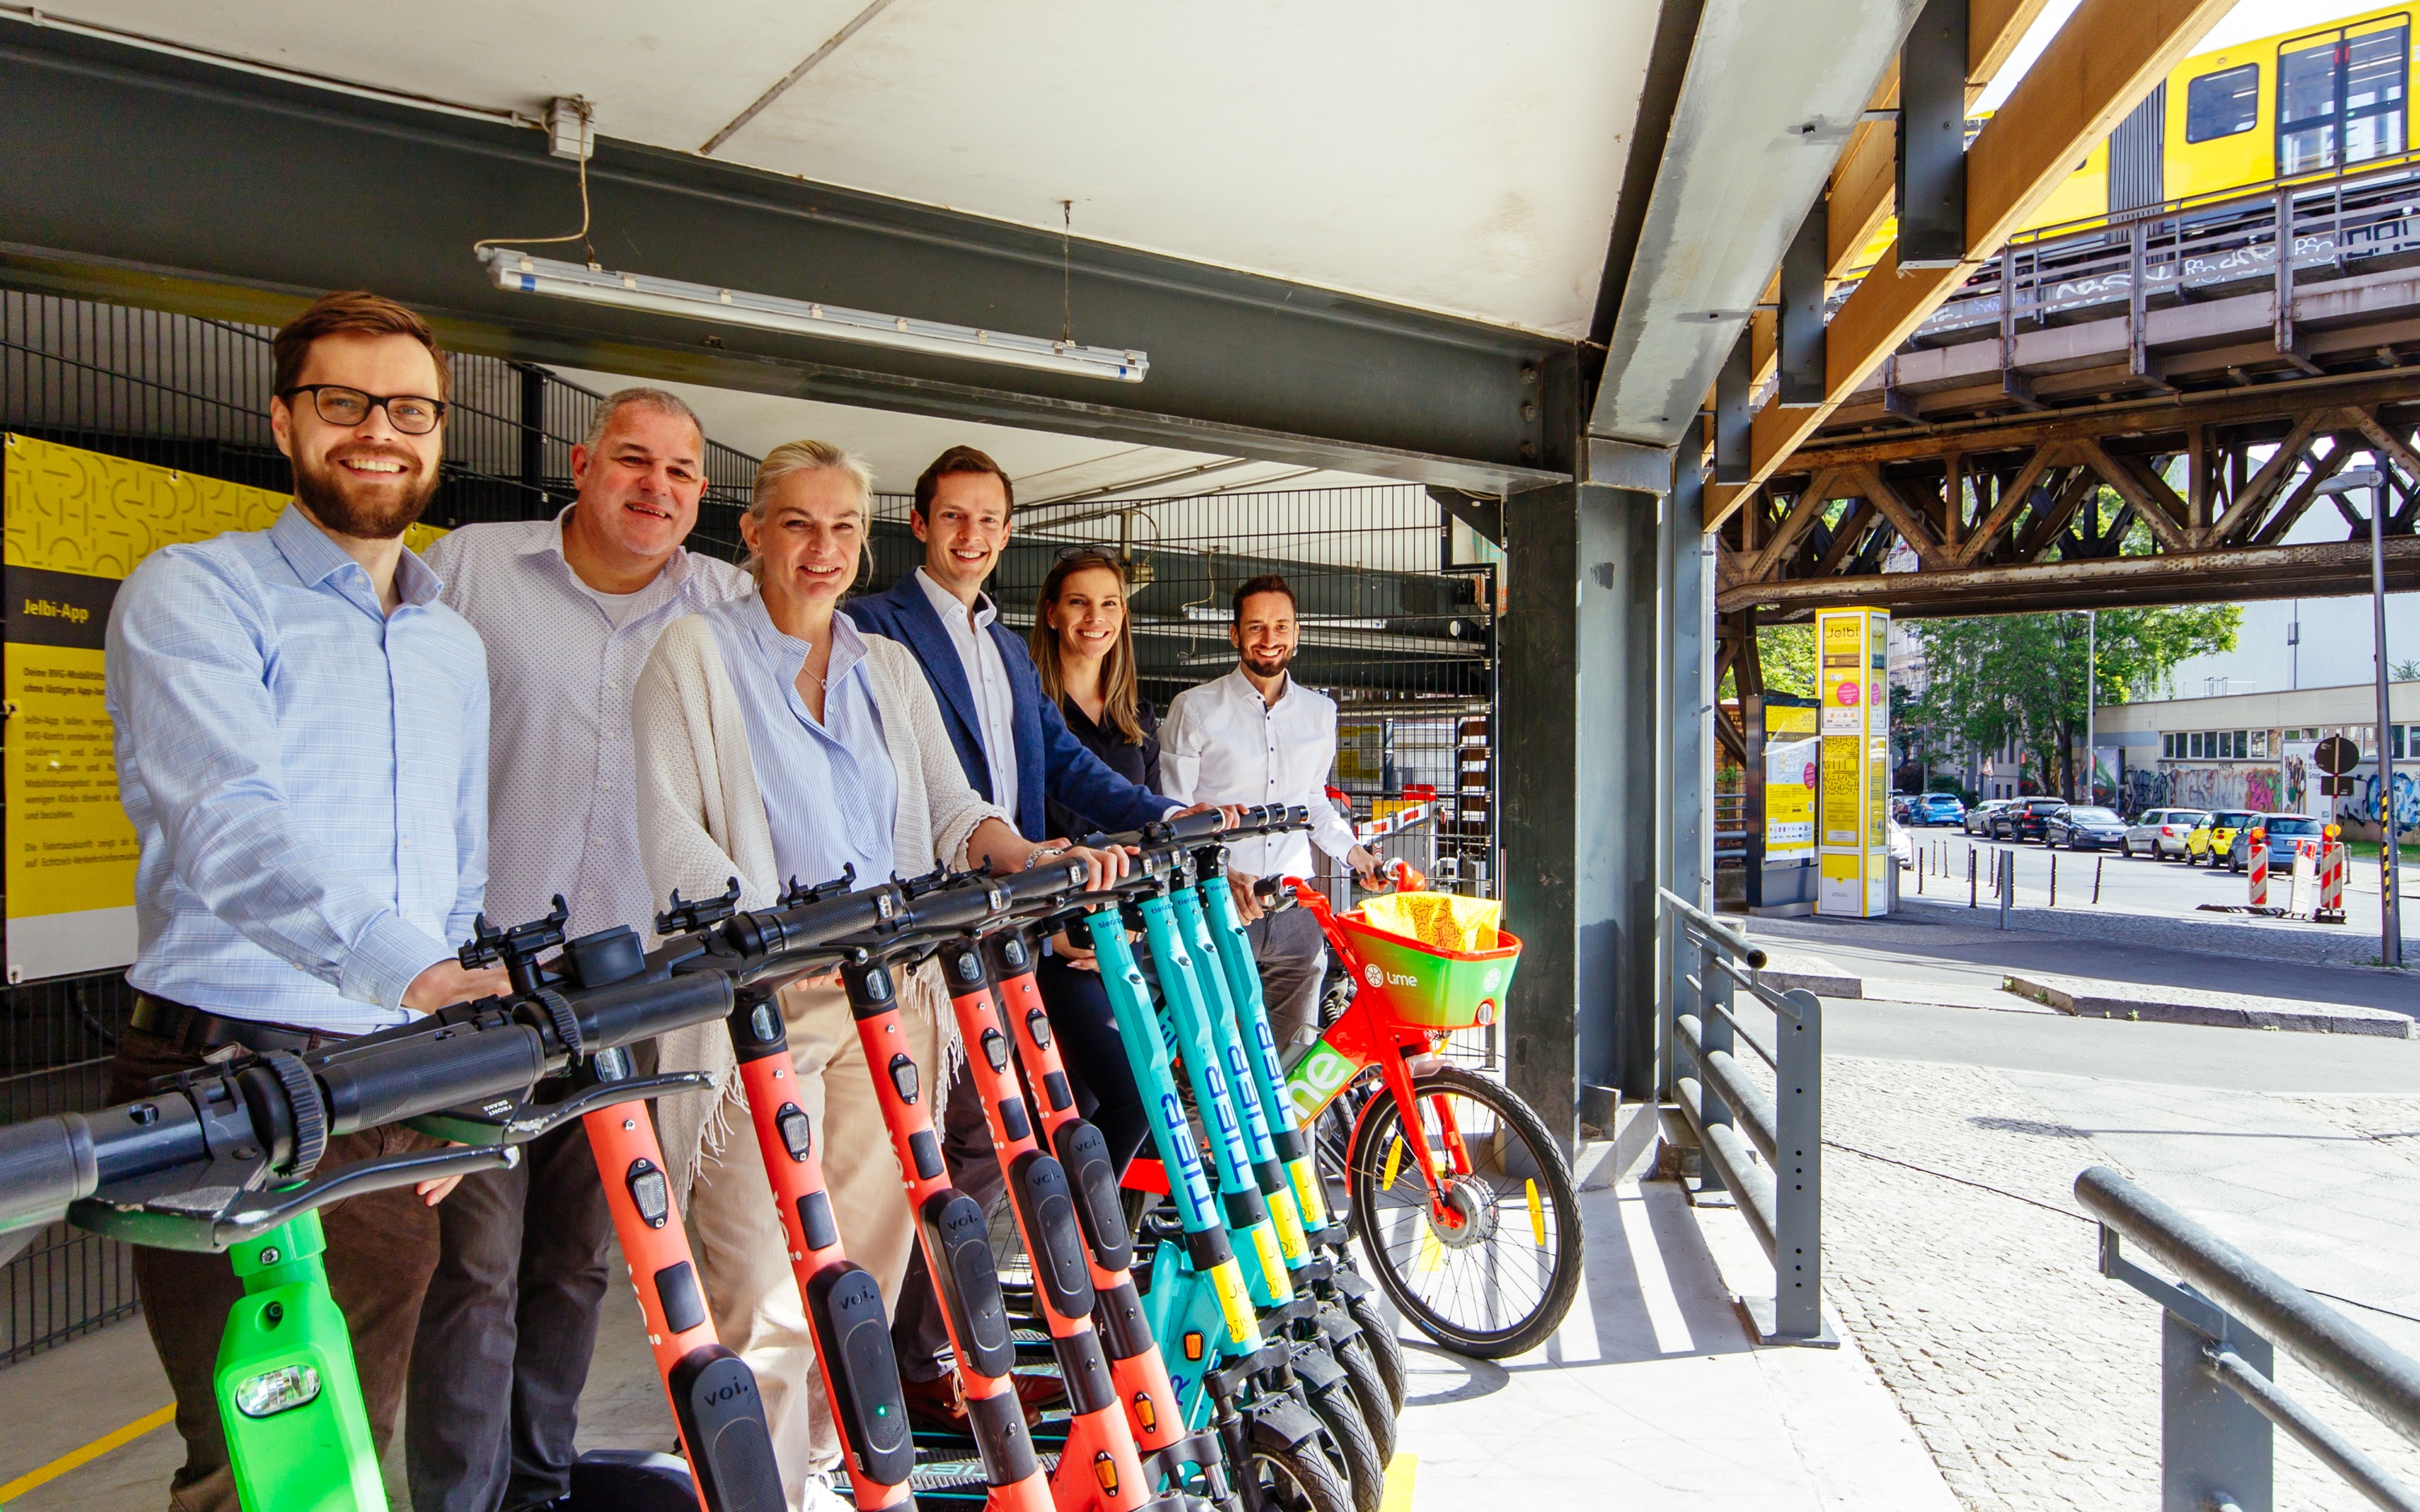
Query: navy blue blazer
point(1050, 761)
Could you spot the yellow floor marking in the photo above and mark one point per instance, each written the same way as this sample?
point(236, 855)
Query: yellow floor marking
point(86, 1455)
point(1400, 1473)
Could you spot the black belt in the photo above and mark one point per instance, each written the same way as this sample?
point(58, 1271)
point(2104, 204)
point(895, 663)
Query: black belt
point(196, 1029)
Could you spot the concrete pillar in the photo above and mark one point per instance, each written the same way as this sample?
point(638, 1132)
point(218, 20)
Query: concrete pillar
point(1579, 694)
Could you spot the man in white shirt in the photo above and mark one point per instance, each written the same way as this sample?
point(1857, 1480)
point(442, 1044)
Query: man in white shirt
point(569, 608)
point(1256, 736)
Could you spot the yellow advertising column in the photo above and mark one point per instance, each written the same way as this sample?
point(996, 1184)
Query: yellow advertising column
point(1853, 839)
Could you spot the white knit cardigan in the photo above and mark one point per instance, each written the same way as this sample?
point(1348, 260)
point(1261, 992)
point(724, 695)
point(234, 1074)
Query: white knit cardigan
point(702, 823)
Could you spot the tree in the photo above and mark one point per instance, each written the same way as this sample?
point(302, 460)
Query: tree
point(1787, 655)
point(2025, 677)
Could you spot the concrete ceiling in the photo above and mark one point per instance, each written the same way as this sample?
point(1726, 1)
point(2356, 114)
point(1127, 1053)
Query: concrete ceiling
point(1459, 158)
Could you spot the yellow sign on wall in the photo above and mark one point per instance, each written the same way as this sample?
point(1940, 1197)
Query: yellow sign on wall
point(76, 524)
point(1853, 862)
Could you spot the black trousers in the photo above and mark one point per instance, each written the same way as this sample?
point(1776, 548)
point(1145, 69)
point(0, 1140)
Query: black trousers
point(1084, 1030)
point(507, 1331)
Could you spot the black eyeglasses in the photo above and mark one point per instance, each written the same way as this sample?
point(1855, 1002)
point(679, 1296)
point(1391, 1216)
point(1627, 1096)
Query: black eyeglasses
point(411, 415)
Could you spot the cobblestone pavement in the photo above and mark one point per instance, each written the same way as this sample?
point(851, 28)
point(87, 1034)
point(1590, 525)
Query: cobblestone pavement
point(1958, 1261)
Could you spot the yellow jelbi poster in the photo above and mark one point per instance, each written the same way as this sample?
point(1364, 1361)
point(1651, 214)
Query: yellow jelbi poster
point(1853, 862)
point(76, 524)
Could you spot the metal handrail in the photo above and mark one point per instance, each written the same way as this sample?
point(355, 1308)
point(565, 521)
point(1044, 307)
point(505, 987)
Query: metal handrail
point(1723, 935)
point(1733, 1121)
point(2220, 1327)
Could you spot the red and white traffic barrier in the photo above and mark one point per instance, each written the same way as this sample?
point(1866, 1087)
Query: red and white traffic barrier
point(2259, 869)
point(2334, 862)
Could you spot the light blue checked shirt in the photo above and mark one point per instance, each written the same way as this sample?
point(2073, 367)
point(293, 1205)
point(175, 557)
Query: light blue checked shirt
point(306, 775)
point(830, 794)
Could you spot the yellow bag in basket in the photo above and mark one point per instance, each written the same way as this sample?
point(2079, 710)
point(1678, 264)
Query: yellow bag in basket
point(1440, 921)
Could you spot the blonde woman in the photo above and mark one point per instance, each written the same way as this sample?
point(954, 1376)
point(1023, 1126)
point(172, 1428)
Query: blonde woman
point(775, 741)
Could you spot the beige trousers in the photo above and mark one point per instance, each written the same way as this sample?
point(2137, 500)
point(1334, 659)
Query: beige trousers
point(736, 1229)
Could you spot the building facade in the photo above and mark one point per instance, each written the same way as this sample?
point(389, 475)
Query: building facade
point(2252, 750)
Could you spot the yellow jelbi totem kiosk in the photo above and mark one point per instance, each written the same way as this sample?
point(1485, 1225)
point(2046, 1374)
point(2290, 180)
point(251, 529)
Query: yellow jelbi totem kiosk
point(1853, 839)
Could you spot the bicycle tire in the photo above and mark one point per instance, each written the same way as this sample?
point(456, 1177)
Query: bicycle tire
point(1357, 1452)
point(1386, 1350)
point(1387, 1224)
point(1300, 1479)
point(1370, 1395)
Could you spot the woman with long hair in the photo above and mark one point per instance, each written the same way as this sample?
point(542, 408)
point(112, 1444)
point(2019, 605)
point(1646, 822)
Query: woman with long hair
point(775, 741)
point(1083, 647)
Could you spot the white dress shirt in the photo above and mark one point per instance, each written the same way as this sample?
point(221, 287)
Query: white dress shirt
point(563, 794)
point(987, 675)
point(1221, 743)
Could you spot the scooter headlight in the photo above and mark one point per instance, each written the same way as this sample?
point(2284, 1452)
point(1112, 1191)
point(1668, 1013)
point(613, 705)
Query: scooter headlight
point(276, 1391)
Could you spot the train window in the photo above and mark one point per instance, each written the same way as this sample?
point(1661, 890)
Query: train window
point(2223, 104)
point(2340, 98)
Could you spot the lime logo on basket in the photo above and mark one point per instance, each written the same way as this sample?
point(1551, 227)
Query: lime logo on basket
point(1373, 975)
point(1493, 979)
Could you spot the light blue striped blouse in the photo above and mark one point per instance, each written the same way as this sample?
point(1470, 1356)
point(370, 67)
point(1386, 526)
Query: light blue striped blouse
point(830, 794)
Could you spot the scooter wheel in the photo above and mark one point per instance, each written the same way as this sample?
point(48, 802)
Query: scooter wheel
point(1300, 1479)
point(1369, 1394)
point(1386, 1350)
point(1357, 1454)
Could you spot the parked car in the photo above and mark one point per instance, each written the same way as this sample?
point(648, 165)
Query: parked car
point(1979, 818)
point(1902, 808)
point(2084, 829)
point(2023, 819)
point(2284, 829)
point(1902, 846)
point(2213, 839)
point(1939, 809)
point(2161, 832)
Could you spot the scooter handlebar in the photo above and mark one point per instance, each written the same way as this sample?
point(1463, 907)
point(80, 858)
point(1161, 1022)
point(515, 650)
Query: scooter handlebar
point(45, 1164)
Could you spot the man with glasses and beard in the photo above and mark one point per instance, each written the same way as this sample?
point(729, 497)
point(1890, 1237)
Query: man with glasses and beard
point(1256, 736)
point(302, 742)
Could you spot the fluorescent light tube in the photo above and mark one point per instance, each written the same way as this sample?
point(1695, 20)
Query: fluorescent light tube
point(520, 273)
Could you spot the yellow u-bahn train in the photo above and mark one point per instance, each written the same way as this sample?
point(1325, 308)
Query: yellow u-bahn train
point(2320, 100)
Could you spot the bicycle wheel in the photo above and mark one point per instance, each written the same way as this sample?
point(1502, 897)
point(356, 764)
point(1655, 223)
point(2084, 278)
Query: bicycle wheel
point(1300, 1479)
point(1370, 1395)
point(1357, 1453)
point(1386, 1350)
point(1499, 1281)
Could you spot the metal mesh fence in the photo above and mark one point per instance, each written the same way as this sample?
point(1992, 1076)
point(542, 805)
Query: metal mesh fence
point(1399, 606)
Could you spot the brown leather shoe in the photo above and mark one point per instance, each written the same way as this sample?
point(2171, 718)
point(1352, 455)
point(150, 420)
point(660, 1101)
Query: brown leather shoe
point(935, 1404)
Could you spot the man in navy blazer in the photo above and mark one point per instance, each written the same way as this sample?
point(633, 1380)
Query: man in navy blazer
point(982, 675)
point(1016, 751)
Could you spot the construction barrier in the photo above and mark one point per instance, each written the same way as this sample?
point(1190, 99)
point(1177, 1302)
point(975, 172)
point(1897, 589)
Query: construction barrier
point(2334, 865)
point(2259, 867)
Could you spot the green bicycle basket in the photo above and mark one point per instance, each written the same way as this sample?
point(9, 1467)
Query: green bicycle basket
point(1435, 960)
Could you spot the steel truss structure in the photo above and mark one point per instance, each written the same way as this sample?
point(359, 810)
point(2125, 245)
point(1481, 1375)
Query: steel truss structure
point(2189, 501)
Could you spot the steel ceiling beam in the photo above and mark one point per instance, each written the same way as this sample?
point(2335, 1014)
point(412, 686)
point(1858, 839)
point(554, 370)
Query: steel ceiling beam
point(1773, 90)
point(174, 184)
